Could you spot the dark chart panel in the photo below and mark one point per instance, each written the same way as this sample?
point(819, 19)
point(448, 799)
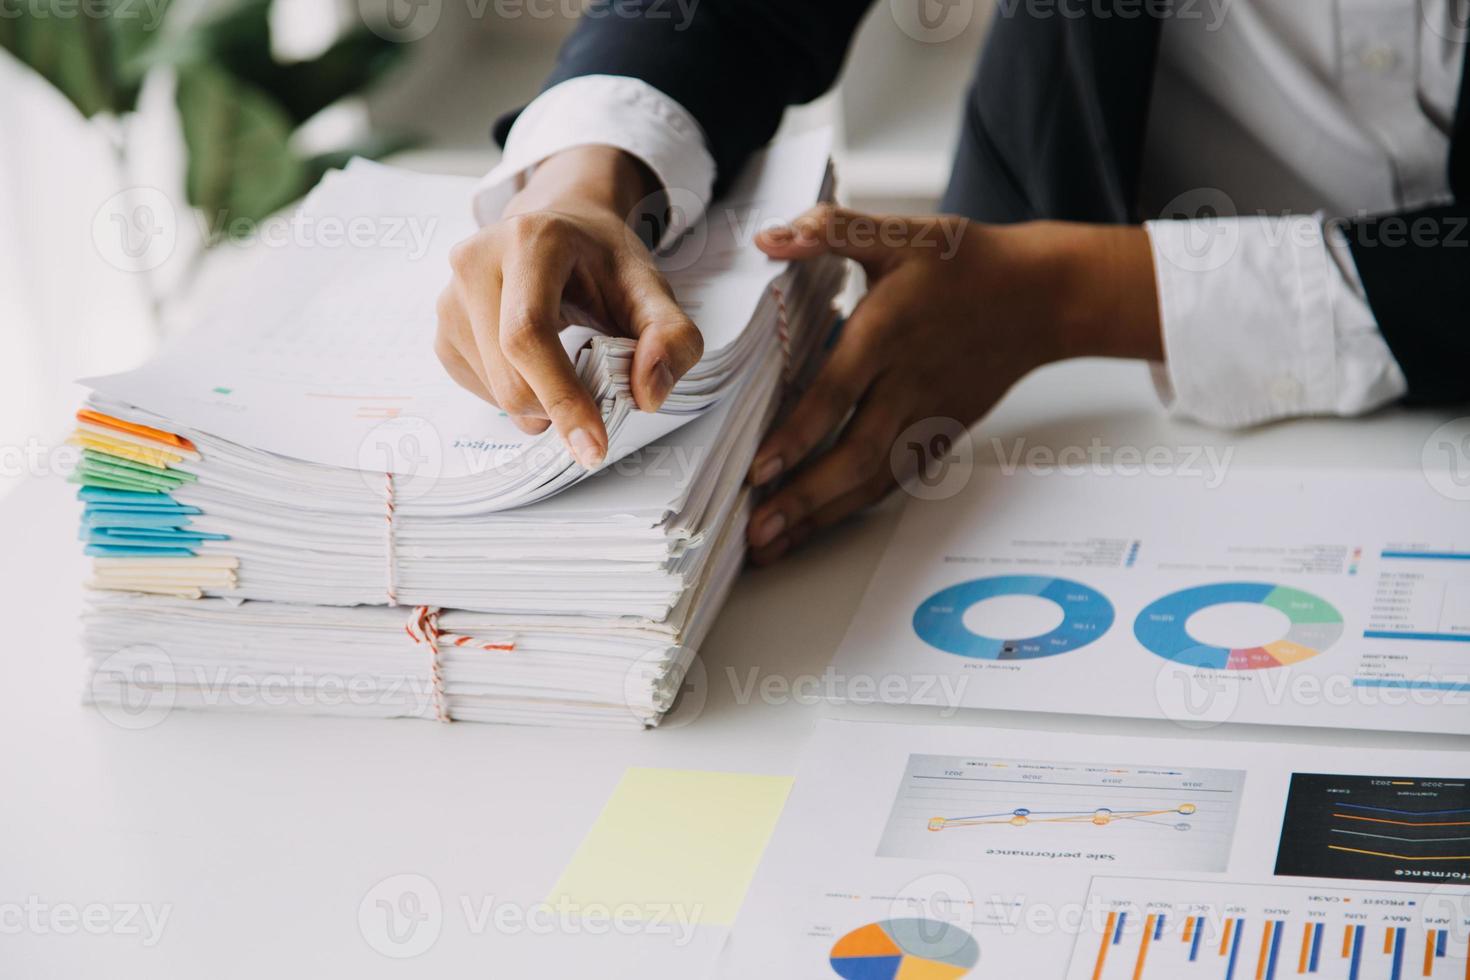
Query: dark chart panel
point(1376, 828)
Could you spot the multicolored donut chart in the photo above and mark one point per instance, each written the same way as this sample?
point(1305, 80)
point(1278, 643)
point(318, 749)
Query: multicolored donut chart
point(1315, 626)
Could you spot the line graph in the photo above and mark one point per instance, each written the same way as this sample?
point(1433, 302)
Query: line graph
point(1023, 817)
point(1375, 827)
point(966, 808)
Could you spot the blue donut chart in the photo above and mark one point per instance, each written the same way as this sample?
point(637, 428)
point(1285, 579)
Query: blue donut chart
point(1086, 615)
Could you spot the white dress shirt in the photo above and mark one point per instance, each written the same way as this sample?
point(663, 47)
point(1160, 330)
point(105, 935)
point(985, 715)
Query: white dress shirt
point(1269, 123)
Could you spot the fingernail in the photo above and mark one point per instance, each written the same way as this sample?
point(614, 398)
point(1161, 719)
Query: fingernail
point(779, 235)
point(661, 380)
point(585, 448)
point(767, 530)
point(765, 470)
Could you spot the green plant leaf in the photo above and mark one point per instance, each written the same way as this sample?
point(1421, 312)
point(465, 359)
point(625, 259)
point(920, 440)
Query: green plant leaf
point(355, 62)
point(237, 38)
point(241, 165)
point(73, 53)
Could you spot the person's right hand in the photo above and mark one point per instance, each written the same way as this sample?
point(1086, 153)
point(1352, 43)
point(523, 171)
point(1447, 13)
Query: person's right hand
point(563, 242)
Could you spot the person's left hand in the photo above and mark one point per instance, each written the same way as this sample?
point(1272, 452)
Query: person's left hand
point(956, 312)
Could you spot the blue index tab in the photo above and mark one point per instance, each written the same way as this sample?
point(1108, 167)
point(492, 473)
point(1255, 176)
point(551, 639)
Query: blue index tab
point(168, 508)
point(152, 546)
point(103, 494)
point(132, 551)
point(145, 535)
point(92, 518)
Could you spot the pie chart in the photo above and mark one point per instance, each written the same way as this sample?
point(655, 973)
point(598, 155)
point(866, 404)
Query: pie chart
point(905, 949)
point(1315, 625)
point(1085, 616)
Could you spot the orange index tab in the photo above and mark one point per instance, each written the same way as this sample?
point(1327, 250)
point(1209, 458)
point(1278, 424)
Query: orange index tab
point(147, 432)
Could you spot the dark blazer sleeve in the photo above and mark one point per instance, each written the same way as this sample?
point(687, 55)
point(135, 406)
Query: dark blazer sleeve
point(735, 65)
point(1415, 267)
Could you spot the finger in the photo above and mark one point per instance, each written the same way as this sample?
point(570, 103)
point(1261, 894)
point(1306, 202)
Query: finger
point(669, 344)
point(476, 297)
point(862, 497)
point(829, 230)
point(454, 345)
point(779, 548)
point(459, 369)
point(530, 328)
point(452, 334)
point(859, 457)
point(842, 380)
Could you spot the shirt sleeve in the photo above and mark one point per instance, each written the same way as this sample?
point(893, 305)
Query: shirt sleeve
point(607, 110)
point(1265, 318)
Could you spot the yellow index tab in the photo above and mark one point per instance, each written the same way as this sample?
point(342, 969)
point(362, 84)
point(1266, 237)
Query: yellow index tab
point(675, 838)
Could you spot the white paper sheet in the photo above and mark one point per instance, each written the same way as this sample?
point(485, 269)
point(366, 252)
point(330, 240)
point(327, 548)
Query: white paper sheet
point(328, 348)
point(1278, 597)
point(1032, 818)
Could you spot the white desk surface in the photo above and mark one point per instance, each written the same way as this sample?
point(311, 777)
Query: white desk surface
point(261, 835)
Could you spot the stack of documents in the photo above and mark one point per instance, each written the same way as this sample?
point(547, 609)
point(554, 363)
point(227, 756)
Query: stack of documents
point(297, 487)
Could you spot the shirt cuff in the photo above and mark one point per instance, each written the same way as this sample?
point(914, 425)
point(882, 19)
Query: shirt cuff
point(1264, 318)
point(607, 110)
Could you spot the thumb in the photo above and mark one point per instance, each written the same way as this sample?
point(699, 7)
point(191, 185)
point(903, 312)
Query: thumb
point(829, 230)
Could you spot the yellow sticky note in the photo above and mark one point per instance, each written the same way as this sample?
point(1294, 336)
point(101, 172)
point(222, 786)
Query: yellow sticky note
point(675, 837)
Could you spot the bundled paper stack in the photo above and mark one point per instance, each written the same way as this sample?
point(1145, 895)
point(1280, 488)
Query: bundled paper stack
point(295, 498)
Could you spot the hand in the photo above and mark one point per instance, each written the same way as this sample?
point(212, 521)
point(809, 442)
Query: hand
point(565, 240)
point(956, 312)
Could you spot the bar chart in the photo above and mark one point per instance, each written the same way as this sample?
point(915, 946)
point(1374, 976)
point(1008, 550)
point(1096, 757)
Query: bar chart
point(1154, 929)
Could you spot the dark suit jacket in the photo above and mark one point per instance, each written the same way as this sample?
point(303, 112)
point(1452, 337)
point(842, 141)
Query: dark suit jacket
point(1053, 128)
